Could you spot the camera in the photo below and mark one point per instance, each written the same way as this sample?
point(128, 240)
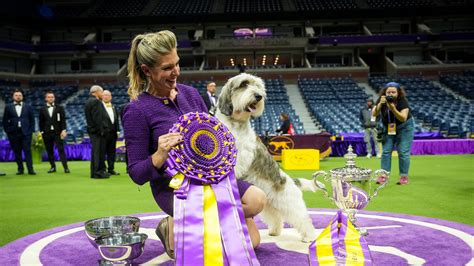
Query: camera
point(390, 99)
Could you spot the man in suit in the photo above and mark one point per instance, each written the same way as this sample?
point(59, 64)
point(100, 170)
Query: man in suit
point(210, 98)
point(52, 124)
point(19, 124)
point(96, 127)
point(112, 121)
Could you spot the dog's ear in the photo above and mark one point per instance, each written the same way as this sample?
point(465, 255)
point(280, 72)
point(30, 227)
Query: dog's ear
point(225, 100)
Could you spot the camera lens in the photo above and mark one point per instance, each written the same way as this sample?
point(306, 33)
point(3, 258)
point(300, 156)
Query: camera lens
point(389, 98)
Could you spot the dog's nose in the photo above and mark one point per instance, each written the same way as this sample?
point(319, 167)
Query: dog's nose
point(258, 97)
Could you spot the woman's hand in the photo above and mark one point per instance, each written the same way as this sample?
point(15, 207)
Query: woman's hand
point(165, 143)
point(383, 99)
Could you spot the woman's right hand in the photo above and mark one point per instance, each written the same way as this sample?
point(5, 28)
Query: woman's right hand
point(383, 99)
point(165, 143)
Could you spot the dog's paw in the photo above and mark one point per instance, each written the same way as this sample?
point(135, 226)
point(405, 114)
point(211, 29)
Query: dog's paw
point(307, 239)
point(275, 231)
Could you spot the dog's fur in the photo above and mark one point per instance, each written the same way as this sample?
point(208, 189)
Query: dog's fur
point(243, 98)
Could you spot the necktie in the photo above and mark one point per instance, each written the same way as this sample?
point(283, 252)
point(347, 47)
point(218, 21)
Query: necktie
point(17, 104)
point(108, 105)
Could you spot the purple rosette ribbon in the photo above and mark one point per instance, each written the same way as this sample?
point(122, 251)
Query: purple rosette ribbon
point(209, 223)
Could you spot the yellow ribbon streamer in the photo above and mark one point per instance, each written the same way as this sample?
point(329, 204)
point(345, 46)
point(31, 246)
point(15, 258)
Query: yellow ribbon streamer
point(354, 256)
point(212, 235)
point(324, 251)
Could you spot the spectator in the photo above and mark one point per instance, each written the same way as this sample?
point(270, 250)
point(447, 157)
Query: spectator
point(96, 127)
point(210, 98)
point(286, 126)
point(52, 124)
point(398, 129)
point(369, 123)
point(19, 124)
point(112, 122)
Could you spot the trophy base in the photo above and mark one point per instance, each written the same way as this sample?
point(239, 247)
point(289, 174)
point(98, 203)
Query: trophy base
point(103, 262)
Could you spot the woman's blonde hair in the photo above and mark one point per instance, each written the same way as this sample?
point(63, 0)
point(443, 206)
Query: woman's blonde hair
point(147, 49)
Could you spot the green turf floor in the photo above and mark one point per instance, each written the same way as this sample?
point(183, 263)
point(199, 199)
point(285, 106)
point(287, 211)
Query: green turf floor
point(440, 187)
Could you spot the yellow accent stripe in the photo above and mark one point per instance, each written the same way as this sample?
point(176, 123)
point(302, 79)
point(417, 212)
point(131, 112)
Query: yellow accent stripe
point(324, 252)
point(176, 181)
point(355, 256)
point(212, 236)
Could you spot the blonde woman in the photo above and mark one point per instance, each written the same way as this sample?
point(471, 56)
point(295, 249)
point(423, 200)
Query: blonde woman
point(157, 101)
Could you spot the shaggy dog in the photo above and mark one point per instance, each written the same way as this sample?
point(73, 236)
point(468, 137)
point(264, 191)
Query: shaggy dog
point(243, 98)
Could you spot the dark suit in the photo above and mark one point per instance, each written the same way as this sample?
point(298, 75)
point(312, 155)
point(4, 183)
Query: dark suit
point(19, 130)
point(207, 100)
point(111, 137)
point(51, 126)
point(96, 127)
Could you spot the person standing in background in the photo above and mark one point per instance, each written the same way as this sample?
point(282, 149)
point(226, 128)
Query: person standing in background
point(398, 129)
point(210, 98)
point(112, 122)
point(52, 124)
point(369, 123)
point(96, 127)
point(19, 124)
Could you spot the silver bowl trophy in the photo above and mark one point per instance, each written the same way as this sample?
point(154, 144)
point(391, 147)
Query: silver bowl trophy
point(116, 238)
point(351, 187)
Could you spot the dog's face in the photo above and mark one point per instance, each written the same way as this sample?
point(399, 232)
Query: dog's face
point(242, 97)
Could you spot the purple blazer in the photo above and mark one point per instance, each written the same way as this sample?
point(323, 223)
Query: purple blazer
point(147, 118)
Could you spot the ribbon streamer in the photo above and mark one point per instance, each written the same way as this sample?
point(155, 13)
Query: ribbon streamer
point(210, 226)
point(339, 244)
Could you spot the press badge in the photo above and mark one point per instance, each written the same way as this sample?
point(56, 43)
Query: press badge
point(59, 117)
point(392, 129)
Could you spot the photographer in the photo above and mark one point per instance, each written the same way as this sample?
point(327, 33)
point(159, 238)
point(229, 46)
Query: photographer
point(398, 129)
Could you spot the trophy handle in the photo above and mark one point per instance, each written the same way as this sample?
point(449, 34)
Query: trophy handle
point(374, 177)
point(321, 175)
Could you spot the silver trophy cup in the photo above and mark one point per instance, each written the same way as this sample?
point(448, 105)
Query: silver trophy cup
point(350, 188)
point(116, 238)
point(120, 249)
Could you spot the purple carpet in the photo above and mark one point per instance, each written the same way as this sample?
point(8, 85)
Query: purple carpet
point(394, 239)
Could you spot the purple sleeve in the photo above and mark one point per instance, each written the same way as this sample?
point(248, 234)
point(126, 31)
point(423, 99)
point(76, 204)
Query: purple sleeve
point(137, 136)
point(201, 104)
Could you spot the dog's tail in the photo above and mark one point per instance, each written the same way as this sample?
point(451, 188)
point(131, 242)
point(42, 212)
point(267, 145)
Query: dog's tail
point(305, 184)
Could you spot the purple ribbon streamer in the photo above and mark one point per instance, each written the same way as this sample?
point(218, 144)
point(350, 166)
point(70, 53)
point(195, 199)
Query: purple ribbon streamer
point(232, 218)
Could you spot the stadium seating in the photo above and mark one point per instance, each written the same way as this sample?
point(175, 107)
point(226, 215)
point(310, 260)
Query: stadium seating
point(462, 84)
point(400, 3)
point(119, 8)
point(252, 6)
point(319, 5)
point(334, 102)
point(182, 7)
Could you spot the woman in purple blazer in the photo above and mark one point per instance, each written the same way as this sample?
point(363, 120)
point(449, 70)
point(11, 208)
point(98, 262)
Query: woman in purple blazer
point(157, 101)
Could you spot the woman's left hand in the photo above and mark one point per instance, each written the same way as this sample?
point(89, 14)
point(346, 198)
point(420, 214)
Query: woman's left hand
point(391, 106)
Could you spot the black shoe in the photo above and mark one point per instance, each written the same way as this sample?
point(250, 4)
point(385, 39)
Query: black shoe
point(67, 171)
point(19, 172)
point(32, 172)
point(2, 173)
point(100, 175)
point(112, 172)
point(52, 170)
